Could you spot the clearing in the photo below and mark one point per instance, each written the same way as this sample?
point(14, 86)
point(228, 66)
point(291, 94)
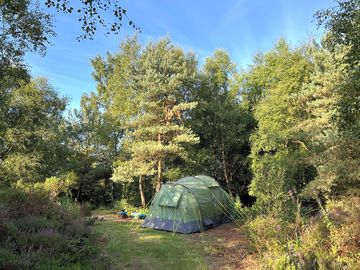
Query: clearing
point(131, 247)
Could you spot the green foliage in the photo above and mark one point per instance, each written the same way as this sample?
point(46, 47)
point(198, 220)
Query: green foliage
point(94, 14)
point(86, 209)
point(342, 23)
point(270, 236)
point(172, 174)
point(123, 204)
point(129, 208)
point(93, 141)
point(349, 106)
point(327, 241)
point(305, 103)
point(39, 233)
point(330, 242)
point(278, 149)
point(341, 176)
point(154, 87)
point(286, 131)
point(54, 186)
point(31, 133)
point(331, 137)
point(25, 27)
point(223, 126)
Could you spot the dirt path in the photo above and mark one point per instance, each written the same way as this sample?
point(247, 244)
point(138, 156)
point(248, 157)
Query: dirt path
point(228, 248)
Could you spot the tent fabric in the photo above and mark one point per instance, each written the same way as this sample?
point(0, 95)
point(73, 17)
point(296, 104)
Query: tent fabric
point(191, 204)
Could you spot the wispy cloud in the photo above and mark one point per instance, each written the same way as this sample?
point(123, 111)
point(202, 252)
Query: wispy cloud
point(38, 71)
point(242, 27)
point(234, 12)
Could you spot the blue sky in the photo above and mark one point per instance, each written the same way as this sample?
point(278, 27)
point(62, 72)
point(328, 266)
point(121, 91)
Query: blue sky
point(241, 27)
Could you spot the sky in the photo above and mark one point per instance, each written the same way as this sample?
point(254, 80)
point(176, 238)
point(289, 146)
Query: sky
point(241, 27)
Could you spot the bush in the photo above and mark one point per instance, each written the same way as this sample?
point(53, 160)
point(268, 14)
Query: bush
point(39, 233)
point(86, 209)
point(328, 240)
point(332, 241)
point(123, 204)
point(270, 237)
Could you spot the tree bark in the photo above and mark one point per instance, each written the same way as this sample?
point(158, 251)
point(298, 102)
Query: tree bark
point(78, 193)
point(159, 167)
point(82, 182)
point(159, 176)
point(226, 174)
point(141, 189)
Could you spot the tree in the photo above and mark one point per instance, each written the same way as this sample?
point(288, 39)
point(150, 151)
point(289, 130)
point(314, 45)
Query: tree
point(25, 27)
point(115, 77)
point(160, 77)
point(222, 125)
point(94, 144)
point(278, 148)
point(95, 13)
point(343, 23)
point(335, 157)
point(31, 133)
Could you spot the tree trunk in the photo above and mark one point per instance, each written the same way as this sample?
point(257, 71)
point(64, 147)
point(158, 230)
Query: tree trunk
point(85, 170)
point(112, 192)
point(159, 176)
point(226, 174)
point(141, 189)
point(78, 193)
point(159, 167)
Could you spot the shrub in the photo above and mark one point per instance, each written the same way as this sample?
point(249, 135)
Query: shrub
point(85, 209)
point(333, 241)
point(39, 233)
point(123, 204)
point(328, 240)
point(270, 237)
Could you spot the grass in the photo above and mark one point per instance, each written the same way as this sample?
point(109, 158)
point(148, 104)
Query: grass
point(132, 247)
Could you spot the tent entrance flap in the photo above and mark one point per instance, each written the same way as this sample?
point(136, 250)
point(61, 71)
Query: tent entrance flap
point(170, 197)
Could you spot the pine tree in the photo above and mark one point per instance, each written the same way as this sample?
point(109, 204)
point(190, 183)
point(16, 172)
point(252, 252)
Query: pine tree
point(156, 130)
point(334, 155)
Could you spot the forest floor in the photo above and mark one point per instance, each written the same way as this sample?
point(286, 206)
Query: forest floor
point(227, 247)
point(130, 247)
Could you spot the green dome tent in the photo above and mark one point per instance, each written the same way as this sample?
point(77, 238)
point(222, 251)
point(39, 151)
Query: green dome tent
point(191, 204)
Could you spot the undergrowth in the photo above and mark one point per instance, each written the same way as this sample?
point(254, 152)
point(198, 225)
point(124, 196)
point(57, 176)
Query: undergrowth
point(330, 239)
point(39, 233)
